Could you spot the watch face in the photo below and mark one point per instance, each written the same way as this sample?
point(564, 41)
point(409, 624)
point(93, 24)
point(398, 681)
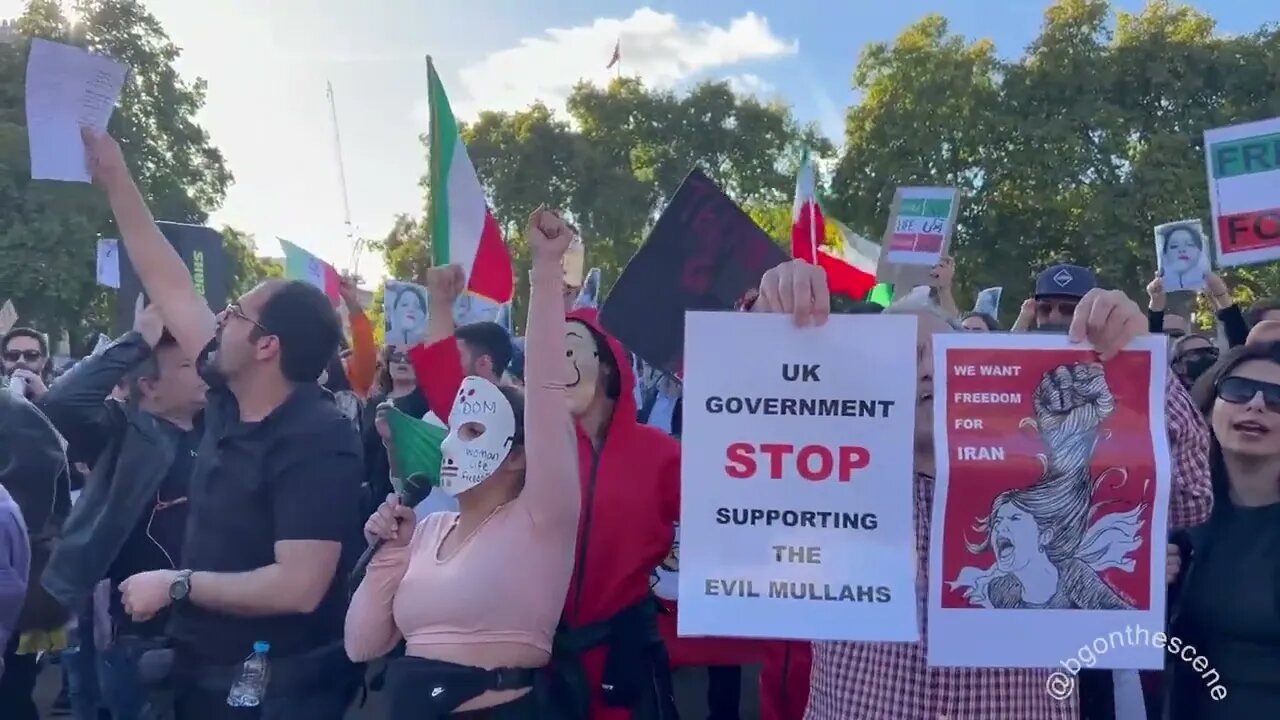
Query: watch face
point(180, 587)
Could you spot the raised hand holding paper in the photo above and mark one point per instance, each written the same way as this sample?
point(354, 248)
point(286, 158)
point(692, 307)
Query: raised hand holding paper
point(67, 88)
point(1181, 255)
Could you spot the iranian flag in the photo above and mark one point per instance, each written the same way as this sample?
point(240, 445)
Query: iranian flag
point(852, 275)
point(463, 229)
point(302, 265)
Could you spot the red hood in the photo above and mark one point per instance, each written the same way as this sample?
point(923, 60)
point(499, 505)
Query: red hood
point(625, 409)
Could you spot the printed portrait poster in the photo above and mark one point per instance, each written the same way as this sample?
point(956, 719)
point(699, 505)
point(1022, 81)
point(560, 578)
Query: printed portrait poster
point(1243, 166)
point(796, 478)
point(988, 302)
point(1182, 256)
point(404, 305)
point(1050, 510)
point(405, 309)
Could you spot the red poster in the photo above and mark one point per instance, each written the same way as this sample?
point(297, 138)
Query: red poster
point(1249, 231)
point(1052, 480)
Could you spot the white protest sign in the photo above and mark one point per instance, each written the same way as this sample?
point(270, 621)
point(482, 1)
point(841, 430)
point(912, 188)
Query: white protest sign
point(404, 305)
point(67, 88)
point(1243, 166)
point(8, 316)
point(796, 510)
point(109, 263)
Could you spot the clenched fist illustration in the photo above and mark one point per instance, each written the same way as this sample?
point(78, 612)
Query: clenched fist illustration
point(1071, 400)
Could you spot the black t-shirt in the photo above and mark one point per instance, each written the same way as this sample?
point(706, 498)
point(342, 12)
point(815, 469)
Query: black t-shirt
point(156, 541)
point(293, 476)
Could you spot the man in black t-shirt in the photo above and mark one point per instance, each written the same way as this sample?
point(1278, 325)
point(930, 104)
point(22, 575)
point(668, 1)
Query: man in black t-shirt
point(131, 516)
point(274, 520)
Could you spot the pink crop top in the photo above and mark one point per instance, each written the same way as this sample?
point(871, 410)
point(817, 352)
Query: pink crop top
point(507, 582)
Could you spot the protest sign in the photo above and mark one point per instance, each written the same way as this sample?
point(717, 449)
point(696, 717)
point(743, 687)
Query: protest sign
point(67, 88)
point(1181, 255)
point(404, 305)
point(109, 263)
point(1051, 498)
point(589, 295)
point(921, 220)
point(8, 316)
point(704, 253)
point(796, 475)
point(988, 302)
point(201, 249)
point(1243, 166)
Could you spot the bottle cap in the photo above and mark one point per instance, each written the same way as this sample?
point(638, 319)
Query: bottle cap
point(261, 646)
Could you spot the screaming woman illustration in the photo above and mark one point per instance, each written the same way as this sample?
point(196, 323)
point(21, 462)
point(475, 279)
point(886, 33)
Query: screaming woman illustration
point(1051, 540)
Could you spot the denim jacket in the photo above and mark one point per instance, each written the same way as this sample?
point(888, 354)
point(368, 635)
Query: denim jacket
point(134, 451)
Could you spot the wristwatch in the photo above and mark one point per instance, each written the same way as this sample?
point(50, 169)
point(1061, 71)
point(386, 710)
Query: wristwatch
point(180, 588)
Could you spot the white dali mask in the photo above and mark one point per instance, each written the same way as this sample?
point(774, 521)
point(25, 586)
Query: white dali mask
point(466, 463)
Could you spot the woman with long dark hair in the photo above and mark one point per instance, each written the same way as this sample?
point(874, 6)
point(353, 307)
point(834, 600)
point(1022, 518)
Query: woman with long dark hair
point(394, 382)
point(1226, 603)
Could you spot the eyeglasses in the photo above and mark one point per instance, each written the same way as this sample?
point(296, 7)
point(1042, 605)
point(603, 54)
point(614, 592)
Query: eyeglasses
point(28, 355)
point(234, 310)
point(1240, 390)
point(1065, 308)
point(398, 357)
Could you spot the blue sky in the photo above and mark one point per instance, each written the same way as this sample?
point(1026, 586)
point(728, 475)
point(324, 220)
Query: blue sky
point(267, 61)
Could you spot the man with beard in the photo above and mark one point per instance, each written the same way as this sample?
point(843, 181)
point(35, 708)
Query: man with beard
point(274, 493)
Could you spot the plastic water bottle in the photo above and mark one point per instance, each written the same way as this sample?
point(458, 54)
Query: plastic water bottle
point(18, 387)
point(251, 687)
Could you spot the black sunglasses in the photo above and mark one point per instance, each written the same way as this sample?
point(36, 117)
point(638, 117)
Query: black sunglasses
point(398, 357)
point(1239, 391)
point(28, 355)
point(1064, 307)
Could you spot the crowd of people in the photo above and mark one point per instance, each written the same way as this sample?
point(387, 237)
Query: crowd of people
point(228, 469)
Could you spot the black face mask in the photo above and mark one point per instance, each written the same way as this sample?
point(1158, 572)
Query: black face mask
point(1190, 365)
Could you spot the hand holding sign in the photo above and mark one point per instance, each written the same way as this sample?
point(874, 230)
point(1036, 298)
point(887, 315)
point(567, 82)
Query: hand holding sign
point(105, 159)
point(1108, 320)
point(444, 284)
point(798, 288)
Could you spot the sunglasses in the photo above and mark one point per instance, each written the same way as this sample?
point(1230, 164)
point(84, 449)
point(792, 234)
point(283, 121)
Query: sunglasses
point(1239, 391)
point(28, 355)
point(398, 357)
point(1064, 307)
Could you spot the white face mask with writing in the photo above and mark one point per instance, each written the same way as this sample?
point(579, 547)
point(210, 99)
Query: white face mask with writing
point(481, 428)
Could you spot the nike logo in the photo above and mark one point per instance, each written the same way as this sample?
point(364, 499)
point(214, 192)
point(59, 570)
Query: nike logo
point(437, 692)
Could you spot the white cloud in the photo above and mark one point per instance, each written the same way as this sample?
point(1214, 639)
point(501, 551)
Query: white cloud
point(660, 48)
point(750, 84)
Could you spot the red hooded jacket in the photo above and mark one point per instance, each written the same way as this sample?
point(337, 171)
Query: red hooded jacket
point(630, 494)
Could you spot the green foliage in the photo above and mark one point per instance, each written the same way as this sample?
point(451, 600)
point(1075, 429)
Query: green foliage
point(613, 162)
point(247, 269)
point(48, 230)
point(1075, 151)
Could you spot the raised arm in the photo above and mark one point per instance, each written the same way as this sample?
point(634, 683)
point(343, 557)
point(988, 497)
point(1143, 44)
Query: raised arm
point(552, 492)
point(437, 364)
point(160, 269)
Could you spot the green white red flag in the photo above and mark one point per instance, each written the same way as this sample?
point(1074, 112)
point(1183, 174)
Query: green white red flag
point(463, 228)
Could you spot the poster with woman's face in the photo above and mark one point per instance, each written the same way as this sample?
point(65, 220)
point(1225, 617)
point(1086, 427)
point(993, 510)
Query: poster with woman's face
point(404, 306)
point(1181, 255)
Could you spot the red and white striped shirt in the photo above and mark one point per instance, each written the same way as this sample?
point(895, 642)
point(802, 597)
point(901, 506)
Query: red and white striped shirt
point(891, 681)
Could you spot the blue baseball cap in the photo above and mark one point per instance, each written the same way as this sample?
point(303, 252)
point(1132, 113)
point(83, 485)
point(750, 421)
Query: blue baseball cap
point(1065, 280)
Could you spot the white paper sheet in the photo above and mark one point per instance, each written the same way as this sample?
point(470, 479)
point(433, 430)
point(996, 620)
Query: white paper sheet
point(67, 88)
point(109, 263)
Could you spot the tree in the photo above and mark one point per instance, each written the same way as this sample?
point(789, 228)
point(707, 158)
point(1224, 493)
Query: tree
point(613, 162)
point(1074, 151)
point(247, 269)
point(48, 230)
